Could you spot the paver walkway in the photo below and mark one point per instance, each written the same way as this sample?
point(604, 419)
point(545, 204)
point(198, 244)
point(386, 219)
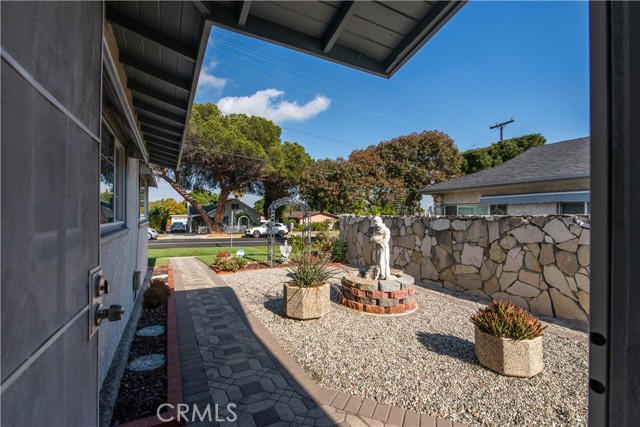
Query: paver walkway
point(228, 356)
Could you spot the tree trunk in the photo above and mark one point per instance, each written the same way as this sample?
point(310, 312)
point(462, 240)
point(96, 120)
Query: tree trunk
point(222, 203)
point(176, 186)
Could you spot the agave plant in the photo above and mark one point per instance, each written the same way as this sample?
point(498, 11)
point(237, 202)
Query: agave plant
point(311, 270)
point(505, 320)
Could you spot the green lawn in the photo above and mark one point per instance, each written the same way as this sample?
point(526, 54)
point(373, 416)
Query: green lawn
point(206, 255)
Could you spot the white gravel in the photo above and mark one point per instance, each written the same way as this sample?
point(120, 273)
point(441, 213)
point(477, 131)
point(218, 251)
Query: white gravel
point(424, 361)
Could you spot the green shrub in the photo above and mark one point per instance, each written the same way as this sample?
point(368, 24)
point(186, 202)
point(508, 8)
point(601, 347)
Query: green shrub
point(156, 294)
point(242, 262)
point(505, 320)
point(311, 270)
point(296, 244)
point(300, 227)
point(339, 250)
point(160, 286)
point(229, 263)
point(320, 226)
point(323, 244)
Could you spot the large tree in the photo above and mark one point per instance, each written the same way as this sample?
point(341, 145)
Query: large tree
point(289, 161)
point(161, 210)
point(383, 178)
point(479, 159)
point(329, 185)
point(234, 154)
point(420, 159)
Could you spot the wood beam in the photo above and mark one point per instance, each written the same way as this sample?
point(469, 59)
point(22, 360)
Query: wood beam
point(170, 159)
point(163, 132)
point(141, 105)
point(160, 125)
point(435, 18)
point(151, 34)
point(149, 136)
point(167, 151)
point(337, 25)
point(202, 6)
point(154, 72)
point(243, 12)
point(141, 89)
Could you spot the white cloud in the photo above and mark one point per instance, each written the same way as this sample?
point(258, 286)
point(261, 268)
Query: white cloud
point(208, 80)
point(269, 103)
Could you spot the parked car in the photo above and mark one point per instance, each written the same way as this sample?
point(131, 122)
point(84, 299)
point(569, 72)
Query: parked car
point(263, 229)
point(178, 227)
point(151, 233)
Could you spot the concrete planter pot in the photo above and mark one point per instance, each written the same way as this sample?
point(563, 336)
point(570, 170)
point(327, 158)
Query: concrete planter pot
point(509, 357)
point(308, 302)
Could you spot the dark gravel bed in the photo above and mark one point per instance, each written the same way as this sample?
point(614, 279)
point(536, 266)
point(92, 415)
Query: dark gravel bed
point(141, 393)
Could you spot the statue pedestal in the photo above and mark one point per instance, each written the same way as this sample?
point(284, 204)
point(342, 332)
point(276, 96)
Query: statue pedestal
point(394, 295)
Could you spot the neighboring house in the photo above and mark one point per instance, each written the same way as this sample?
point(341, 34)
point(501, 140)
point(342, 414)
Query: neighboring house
point(550, 179)
point(316, 216)
point(243, 214)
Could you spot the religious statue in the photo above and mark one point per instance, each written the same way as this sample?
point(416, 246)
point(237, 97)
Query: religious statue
point(285, 251)
point(380, 241)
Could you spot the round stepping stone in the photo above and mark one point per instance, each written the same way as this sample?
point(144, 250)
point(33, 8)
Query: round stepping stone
point(147, 363)
point(151, 331)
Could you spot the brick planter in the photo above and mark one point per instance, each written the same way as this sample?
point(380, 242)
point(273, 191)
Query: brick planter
point(306, 303)
point(509, 357)
point(394, 295)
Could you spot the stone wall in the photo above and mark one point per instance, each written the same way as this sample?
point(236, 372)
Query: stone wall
point(540, 263)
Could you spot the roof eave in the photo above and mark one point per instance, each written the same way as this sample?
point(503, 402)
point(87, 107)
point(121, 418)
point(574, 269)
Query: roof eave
point(559, 179)
point(205, 26)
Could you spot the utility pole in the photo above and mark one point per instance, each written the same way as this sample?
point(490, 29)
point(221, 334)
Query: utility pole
point(501, 126)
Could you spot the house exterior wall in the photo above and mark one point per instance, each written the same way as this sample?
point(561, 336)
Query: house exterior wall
point(253, 215)
point(541, 263)
point(122, 253)
point(473, 196)
point(532, 209)
point(322, 218)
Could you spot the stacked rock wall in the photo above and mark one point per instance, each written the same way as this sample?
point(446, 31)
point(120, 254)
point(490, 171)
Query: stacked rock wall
point(540, 263)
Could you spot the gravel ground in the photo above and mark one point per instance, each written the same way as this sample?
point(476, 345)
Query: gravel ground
point(424, 361)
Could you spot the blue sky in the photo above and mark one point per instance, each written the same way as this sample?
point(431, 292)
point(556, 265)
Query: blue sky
point(490, 62)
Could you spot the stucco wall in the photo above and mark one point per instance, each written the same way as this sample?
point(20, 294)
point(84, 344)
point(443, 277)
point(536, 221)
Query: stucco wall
point(122, 253)
point(532, 209)
point(540, 263)
point(473, 196)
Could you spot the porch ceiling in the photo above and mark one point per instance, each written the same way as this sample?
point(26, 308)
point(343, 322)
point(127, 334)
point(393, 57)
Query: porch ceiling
point(162, 46)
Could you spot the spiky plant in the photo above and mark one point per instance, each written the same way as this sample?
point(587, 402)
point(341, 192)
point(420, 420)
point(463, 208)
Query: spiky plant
point(311, 270)
point(505, 320)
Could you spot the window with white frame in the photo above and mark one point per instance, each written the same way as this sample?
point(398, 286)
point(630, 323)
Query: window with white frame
point(144, 199)
point(574, 208)
point(112, 178)
point(467, 209)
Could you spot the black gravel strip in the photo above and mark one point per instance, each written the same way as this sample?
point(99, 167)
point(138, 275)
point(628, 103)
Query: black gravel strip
point(141, 393)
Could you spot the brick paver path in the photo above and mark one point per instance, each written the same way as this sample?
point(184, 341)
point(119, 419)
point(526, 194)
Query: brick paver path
point(228, 356)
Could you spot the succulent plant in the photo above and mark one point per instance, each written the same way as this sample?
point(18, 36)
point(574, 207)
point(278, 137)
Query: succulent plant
point(311, 270)
point(505, 320)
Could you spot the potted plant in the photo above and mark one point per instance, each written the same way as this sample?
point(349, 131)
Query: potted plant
point(308, 294)
point(508, 340)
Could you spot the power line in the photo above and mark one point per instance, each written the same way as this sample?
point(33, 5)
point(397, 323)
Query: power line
point(340, 89)
point(323, 137)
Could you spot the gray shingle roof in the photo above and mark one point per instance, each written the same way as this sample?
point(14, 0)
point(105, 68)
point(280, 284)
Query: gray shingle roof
point(559, 161)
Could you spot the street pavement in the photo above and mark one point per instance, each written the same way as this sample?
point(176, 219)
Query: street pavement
point(209, 242)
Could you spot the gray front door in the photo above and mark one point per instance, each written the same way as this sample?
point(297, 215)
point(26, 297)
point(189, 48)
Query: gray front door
point(51, 106)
